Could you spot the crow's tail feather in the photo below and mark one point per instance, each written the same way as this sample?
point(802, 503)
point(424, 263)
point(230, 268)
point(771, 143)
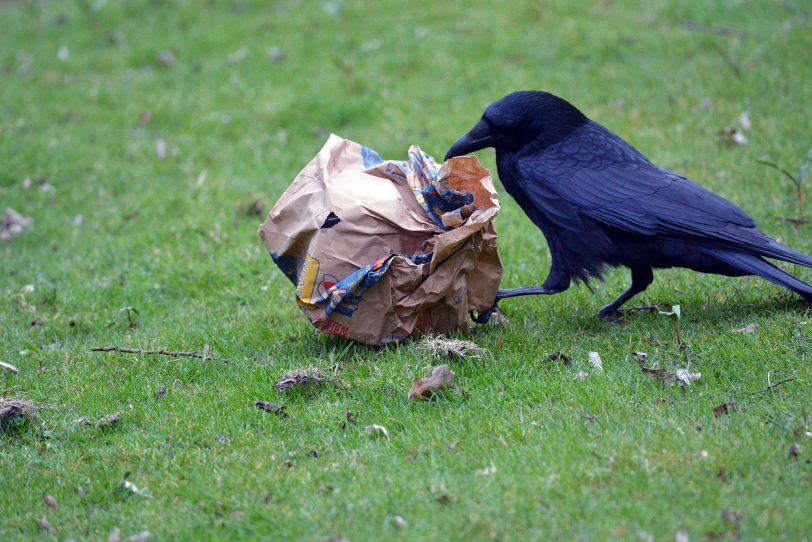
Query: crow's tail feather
point(780, 252)
point(758, 266)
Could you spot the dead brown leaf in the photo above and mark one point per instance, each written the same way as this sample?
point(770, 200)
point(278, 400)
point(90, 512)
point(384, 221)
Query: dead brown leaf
point(254, 207)
point(273, 408)
point(565, 359)
point(441, 378)
point(724, 409)
point(50, 501)
point(143, 119)
point(13, 224)
point(45, 525)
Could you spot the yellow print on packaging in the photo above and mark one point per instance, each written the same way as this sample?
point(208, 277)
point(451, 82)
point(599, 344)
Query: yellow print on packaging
point(307, 279)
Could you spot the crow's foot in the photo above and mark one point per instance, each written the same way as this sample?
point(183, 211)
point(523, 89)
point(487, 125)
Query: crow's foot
point(485, 316)
point(614, 315)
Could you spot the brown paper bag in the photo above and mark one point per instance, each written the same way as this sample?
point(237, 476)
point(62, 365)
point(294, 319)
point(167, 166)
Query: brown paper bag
point(381, 250)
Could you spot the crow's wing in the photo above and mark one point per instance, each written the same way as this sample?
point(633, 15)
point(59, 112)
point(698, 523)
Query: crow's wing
point(596, 174)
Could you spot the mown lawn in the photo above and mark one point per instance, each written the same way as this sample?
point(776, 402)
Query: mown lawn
point(150, 131)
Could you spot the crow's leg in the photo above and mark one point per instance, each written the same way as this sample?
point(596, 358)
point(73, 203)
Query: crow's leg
point(641, 278)
point(554, 284)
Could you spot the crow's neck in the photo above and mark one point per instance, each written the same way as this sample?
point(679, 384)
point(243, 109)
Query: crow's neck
point(558, 126)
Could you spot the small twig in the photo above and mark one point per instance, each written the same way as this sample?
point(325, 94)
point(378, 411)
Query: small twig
point(771, 386)
point(160, 352)
point(734, 67)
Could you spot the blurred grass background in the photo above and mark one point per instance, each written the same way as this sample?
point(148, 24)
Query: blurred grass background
point(155, 135)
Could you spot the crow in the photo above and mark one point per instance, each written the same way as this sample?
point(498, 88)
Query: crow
point(600, 203)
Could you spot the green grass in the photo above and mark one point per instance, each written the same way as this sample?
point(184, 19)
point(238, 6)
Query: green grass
point(610, 456)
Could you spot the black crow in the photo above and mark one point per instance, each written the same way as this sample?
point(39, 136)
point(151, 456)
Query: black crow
point(600, 202)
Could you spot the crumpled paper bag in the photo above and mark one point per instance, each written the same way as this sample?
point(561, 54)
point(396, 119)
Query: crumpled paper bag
point(381, 250)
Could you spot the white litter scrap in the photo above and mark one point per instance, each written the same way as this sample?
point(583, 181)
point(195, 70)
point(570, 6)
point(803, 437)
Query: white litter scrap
point(9, 367)
point(377, 431)
point(686, 377)
point(595, 361)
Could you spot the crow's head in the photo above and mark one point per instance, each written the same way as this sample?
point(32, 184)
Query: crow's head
point(518, 119)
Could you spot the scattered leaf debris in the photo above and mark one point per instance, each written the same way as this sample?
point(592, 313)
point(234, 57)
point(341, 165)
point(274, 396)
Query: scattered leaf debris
point(301, 378)
point(440, 345)
point(160, 148)
point(109, 421)
point(441, 378)
point(749, 328)
point(273, 408)
point(254, 208)
point(731, 516)
point(9, 367)
point(275, 54)
point(682, 377)
point(556, 356)
point(45, 525)
point(744, 120)
point(167, 58)
point(444, 499)
point(16, 412)
point(734, 135)
point(13, 224)
point(724, 409)
point(50, 501)
point(375, 430)
point(130, 488)
point(685, 377)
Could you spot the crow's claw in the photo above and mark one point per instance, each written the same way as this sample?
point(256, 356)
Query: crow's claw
point(614, 316)
point(483, 317)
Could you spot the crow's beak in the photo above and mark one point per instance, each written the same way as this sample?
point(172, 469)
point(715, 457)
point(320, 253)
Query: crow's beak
point(477, 138)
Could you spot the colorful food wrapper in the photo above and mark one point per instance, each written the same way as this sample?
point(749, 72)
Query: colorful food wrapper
point(380, 250)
